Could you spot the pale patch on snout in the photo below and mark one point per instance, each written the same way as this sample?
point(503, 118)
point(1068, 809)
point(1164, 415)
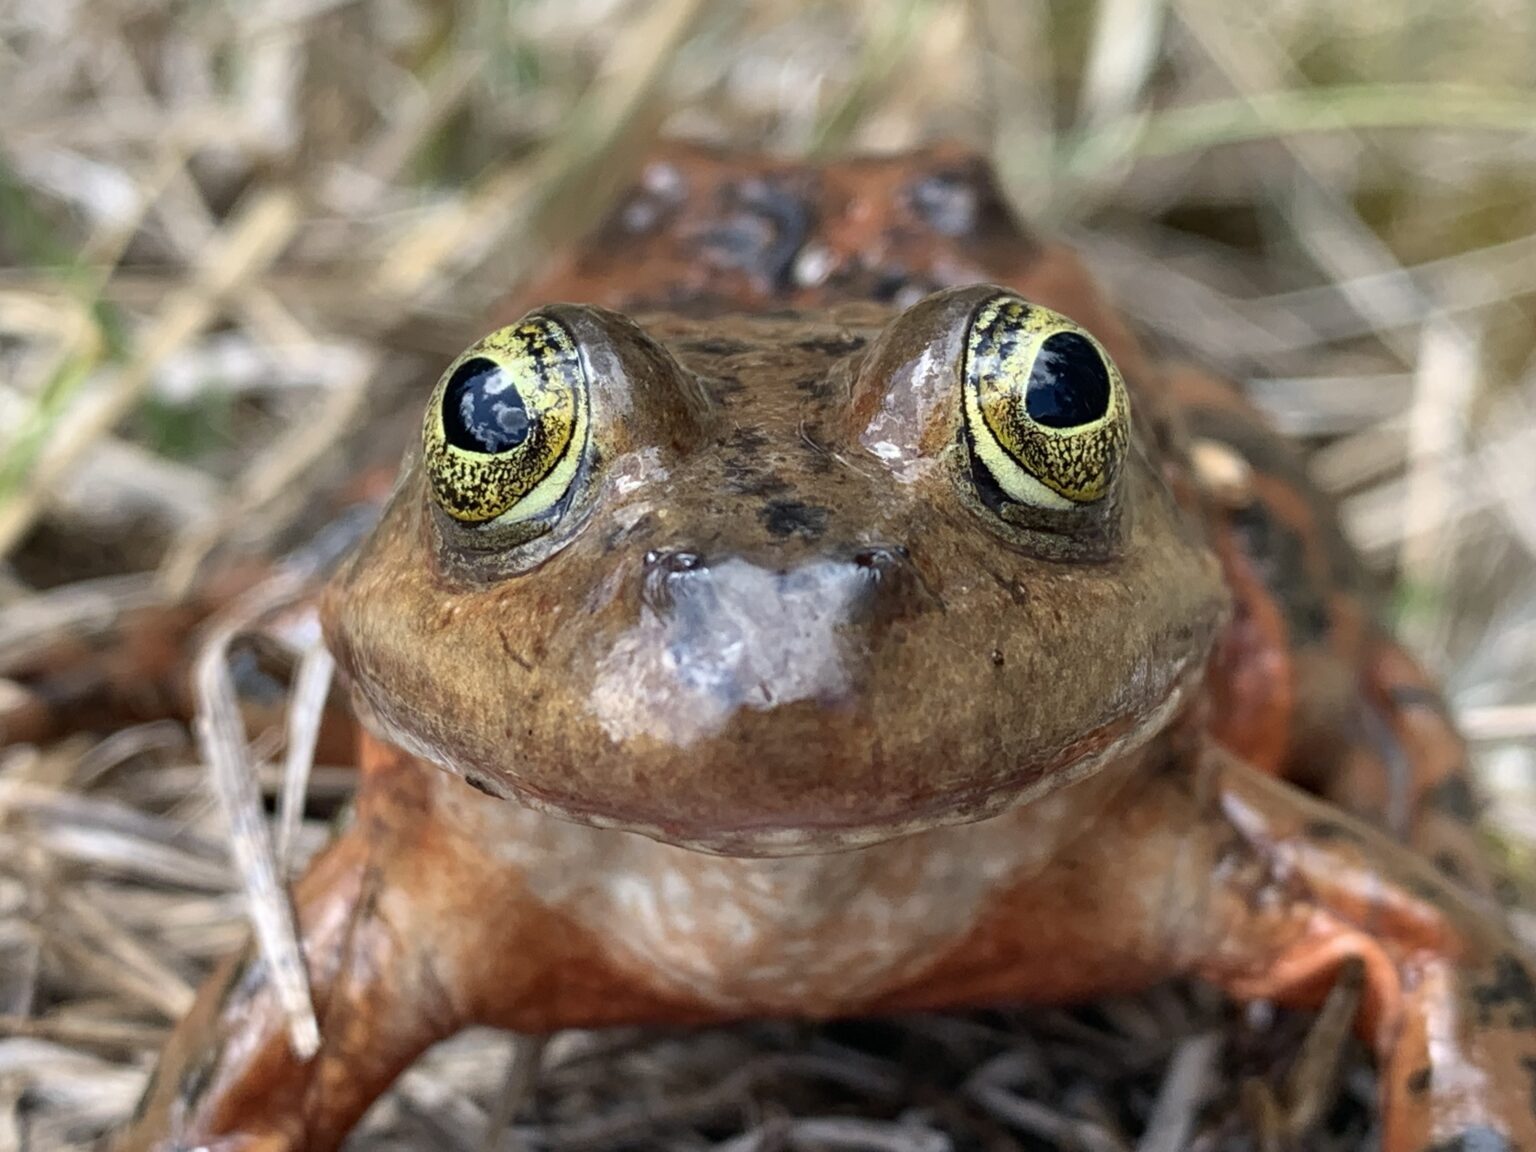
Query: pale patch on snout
point(733, 636)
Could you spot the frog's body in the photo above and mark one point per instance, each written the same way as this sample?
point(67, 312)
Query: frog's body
point(775, 712)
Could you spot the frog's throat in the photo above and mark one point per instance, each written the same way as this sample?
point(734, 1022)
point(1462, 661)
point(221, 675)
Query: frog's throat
point(1114, 743)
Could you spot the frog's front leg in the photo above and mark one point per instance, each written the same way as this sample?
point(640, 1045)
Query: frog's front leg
point(411, 931)
point(1450, 1006)
point(1266, 891)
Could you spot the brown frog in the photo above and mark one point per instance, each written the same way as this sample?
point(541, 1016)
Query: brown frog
point(864, 622)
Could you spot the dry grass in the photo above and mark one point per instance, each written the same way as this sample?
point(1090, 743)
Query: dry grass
point(232, 234)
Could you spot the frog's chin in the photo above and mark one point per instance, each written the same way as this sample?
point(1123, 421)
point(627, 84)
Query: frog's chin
point(1118, 743)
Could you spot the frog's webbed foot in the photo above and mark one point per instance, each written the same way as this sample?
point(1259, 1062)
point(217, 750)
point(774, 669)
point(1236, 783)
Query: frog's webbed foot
point(228, 1077)
point(1450, 997)
point(412, 928)
point(395, 921)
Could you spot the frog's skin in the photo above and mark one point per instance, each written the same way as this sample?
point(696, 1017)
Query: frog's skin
point(777, 720)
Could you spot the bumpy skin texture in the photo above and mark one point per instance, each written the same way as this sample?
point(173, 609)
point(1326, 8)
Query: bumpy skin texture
point(883, 755)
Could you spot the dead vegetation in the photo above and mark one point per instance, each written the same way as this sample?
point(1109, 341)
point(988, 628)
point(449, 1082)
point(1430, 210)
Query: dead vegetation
point(232, 234)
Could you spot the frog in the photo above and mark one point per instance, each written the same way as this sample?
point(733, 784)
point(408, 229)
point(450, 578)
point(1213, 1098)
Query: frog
point(813, 599)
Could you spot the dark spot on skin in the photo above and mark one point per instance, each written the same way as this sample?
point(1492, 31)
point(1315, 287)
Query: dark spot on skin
point(785, 518)
point(744, 465)
point(892, 284)
point(762, 227)
point(1479, 1139)
point(816, 386)
point(947, 202)
point(839, 345)
point(745, 439)
point(1418, 1082)
point(717, 346)
point(745, 480)
point(1511, 990)
point(963, 202)
point(1453, 796)
point(1279, 554)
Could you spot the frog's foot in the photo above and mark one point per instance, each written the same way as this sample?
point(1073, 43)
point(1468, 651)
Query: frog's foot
point(1450, 1004)
point(228, 1078)
point(1224, 872)
point(411, 931)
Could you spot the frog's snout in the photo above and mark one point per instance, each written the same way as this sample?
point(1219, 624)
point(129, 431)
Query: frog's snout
point(719, 636)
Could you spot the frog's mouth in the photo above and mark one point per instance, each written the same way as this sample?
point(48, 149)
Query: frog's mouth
point(1121, 742)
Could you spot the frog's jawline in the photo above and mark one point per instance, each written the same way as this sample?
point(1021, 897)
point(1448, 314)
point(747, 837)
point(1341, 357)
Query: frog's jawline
point(807, 840)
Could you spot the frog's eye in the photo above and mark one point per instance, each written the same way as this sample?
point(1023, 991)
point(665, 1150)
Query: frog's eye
point(1046, 414)
point(506, 428)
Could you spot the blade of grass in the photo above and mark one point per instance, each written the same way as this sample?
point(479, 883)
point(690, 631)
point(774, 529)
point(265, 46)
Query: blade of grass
point(1268, 115)
point(252, 240)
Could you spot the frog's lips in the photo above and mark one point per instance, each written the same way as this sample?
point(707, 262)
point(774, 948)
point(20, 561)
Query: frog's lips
point(1115, 742)
point(1112, 743)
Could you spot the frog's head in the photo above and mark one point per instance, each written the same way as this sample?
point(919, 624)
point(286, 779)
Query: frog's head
point(780, 584)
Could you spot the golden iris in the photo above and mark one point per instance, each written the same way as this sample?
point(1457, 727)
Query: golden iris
point(1045, 407)
point(506, 428)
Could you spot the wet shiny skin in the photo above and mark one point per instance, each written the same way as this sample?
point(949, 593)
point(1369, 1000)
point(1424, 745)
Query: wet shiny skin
point(780, 719)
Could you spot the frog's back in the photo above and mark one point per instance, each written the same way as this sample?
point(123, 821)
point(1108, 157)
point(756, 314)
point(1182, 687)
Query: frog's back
point(1304, 681)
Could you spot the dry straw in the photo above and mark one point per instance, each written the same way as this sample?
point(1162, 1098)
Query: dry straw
point(235, 238)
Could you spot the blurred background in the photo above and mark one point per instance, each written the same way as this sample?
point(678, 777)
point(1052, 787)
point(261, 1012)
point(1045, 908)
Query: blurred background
point(235, 237)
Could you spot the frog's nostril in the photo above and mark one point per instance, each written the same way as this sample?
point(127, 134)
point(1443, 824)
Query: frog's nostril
point(662, 568)
point(672, 560)
point(893, 585)
point(882, 561)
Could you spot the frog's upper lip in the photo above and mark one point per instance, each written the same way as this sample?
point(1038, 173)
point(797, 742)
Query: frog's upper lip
point(1111, 743)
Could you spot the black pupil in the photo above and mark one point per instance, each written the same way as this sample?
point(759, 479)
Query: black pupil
point(482, 411)
point(1068, 384)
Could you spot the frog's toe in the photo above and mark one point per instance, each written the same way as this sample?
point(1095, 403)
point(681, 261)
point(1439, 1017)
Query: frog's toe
point(1462, 1071)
